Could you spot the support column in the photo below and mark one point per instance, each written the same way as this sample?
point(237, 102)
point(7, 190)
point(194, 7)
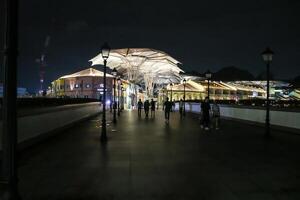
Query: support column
point(9, 140)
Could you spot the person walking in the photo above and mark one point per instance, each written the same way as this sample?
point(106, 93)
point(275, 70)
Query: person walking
point(167, 108)
point(216, 115)
point(146, 107)
point(152, 104)
point(181, 108)
point(205, 108)
point(140, 106)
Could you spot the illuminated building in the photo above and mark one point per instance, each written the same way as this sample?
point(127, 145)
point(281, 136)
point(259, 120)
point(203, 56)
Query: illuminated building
point(87, 83)
point(197, 90)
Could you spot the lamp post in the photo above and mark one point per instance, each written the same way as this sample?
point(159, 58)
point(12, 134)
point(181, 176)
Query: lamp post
point(105, 50)
point(122, 97)
point(119, 83)
point(171, 85)
point(114, 73)
point(163, 96)
point(267, 57)
point(208, 77)
point(9, 172)
point(167, 92)
point(184, 82)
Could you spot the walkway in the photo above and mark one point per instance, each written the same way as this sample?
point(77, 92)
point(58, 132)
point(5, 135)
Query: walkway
point(147, 159)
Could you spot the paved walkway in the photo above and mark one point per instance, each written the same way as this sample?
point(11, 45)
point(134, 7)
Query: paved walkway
point(147, 159)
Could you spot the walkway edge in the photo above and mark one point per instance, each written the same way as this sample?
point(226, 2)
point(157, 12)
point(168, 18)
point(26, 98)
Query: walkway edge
point(40, 138)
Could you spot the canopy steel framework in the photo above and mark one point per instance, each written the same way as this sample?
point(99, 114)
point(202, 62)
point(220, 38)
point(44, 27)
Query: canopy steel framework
point(143, 66)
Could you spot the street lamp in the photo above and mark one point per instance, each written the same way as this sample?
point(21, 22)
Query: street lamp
point(208, 77)
point(119, 83)
point(267, 56)
point(105, 50)
point(114, 73)
point(122, 97)
point(9, 134)
point(184, 82)
point(167, 93)
point(163, 95)
point(171, 85)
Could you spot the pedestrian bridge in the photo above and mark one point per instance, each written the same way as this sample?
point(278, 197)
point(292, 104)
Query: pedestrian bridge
point(145, 158)
point(39, 123)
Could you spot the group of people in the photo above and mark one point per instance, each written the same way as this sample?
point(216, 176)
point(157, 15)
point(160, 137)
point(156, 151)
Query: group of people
point(147, 106)
point(206, 109)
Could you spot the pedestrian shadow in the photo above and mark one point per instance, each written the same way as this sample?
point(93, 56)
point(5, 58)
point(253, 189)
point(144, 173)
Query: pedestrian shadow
point(104, 153)
point(168, 132)
point(139, 117)
point(152, 119)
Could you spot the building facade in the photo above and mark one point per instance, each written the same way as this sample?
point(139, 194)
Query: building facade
point(218, 90)
point(87, 83)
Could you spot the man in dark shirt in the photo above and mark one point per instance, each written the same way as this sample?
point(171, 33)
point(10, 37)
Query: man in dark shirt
point(152, 103)
point(167, 108)
point(146, 107)
point(140, 105)
point(205, 108)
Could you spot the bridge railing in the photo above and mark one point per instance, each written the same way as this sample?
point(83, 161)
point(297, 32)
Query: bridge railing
point(285, 118)
point(37, 123)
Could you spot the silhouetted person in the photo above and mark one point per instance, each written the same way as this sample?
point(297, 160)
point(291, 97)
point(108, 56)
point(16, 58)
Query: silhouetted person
point(140, 106)
point(152, 104)
point(181, 108)
point(216, 115)
point(115, 105)
point(205, 108)
point(146, 107)
point(167, 108)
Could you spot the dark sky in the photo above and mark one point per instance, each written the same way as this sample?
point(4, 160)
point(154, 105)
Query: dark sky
point(201, 34)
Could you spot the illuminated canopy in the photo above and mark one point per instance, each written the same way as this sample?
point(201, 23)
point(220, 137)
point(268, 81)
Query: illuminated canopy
point(142, 66)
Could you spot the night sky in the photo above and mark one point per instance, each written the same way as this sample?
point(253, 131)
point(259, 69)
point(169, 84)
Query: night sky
point(200, 34)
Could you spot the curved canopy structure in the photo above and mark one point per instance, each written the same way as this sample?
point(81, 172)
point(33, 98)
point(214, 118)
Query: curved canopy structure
point(142, 66)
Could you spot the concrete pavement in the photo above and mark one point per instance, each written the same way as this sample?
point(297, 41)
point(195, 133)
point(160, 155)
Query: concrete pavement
point(147, 159)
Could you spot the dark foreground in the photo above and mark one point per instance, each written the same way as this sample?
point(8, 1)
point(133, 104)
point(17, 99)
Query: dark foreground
point(147, 159)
